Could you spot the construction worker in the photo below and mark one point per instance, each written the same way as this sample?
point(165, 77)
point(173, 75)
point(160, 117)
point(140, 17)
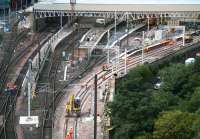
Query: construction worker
point(71, 131)
point(68, 136)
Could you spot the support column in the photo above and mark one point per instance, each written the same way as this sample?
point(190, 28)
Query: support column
point(143, 47)
point(108, 37)
point(184, 36)
point(39, 60)
point(33, 22)
point(29, 88)
point(95, 106)
point(108, 57)
point(148, 23)
point(125, 62)
point(61, 21)
point(115, 23)
point(127, 25)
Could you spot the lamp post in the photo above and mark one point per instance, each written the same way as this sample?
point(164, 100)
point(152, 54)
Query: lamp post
point(148, 23)
point(125, 62)
point(183, 35)
point(143, 47)
point(61, 21)
point(29, 88)
point(115, 23)
point(127, 26)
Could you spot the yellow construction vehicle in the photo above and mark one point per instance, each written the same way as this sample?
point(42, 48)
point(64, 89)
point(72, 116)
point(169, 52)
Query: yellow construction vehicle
point(73, 106)
point(188, 38)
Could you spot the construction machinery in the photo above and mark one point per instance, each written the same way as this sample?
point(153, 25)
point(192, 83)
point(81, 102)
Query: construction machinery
point(188, 38)
point(73, 106)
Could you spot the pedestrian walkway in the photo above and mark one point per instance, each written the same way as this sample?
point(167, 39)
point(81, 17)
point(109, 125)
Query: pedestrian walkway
point(93, 37)
point(121, 35)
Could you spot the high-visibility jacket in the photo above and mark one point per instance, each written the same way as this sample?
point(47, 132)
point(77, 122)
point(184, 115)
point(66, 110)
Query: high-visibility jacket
point(68, 137)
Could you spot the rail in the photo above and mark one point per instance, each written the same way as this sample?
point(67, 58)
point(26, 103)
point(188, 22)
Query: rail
point(41, 56)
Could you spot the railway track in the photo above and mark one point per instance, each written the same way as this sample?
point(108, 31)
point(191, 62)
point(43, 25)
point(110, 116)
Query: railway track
point(58, 91)
point(7, 129)
point(52, 76)
point(7, 112)
point(135, 59)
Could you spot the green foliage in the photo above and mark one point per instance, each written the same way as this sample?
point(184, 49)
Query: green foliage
point(134, 104)
point(180, 79)
point(136, 107)
point(192, 105)
point(164, 100)
point(137, 79)
point(174, 77)
point(175, 125)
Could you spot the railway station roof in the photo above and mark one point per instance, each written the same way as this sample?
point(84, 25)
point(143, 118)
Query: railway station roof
point(55, 5)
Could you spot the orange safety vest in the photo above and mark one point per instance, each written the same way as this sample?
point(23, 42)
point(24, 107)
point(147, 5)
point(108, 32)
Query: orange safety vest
point(68, 137)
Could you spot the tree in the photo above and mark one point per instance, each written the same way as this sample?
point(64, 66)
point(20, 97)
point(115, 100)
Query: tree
point(173, 78)
point(137, 79)
point(175, 125)
point(163, 101)
point(137, 109)
point(194, 103)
